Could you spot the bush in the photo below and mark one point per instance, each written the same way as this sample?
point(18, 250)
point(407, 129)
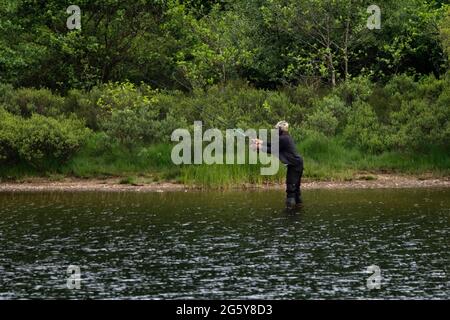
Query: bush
point(430, 88)
point(364, 129)
point(402, 86)
point(122, 96)
point(127, 126)
point(403, 114)
point(46, 139)
point(6, 92)
point(132, 115)
point(323, 121)
point(230, 106)
point(314, 143)
point(383, 103)
point(419, 124)
point(302, 96)
point(98, 144)
point(26, 101)
point(84, 105)
point(9, 133)
point(335, 105)
point(359, 88)
point(39, 140)
point(219, 107)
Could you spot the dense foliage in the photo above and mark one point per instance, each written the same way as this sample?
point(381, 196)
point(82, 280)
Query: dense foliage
point(39, 140)
point(175, 44)
point(139, 69)
point(402, 115)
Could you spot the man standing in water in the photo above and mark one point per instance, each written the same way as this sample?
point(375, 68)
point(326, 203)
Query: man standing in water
point(288, 155)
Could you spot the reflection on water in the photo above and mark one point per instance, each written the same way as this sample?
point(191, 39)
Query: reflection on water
point(225, 245)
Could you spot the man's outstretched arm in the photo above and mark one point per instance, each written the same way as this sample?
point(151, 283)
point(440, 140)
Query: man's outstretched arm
point(265, 146)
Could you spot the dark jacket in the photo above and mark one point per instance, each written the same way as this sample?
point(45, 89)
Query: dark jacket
point(287, 151)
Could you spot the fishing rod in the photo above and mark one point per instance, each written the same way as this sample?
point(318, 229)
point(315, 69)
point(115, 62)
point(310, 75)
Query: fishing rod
point(218, 118)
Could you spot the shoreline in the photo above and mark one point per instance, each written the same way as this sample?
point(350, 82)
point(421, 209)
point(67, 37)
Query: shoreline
point(376, 181)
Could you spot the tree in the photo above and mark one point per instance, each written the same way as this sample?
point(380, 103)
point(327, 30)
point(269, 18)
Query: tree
point(444, 29)
point(322, 34)
point(221, 48)
point(117, 40)
point(408, 41)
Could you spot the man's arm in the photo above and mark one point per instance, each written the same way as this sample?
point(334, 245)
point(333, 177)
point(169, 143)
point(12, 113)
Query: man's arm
point(265, 146)
point(259, 145)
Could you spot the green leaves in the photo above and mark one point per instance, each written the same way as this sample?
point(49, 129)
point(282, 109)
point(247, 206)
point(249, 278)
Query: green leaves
point(363, 129)
point(133, 115)
point(39, 139)
point(444, 29)
point(190, 45)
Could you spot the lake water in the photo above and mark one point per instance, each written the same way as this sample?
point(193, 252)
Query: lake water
point(225, 245)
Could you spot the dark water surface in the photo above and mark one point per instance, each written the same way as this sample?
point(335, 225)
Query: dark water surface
point(225, 245)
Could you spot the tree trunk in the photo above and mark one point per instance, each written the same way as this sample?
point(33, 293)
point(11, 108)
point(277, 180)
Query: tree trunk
point(330, 54)
point(347, 31)
point(332, 70)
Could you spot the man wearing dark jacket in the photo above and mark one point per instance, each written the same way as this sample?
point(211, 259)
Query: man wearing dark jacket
point(288, 155)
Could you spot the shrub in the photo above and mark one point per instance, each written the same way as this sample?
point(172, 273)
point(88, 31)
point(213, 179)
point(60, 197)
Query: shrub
point(6, 92)
point(314, 143)
point(222, 107)
point(323, 121)
point(383, 103)
point(278, 106)
point(84, 105)
point(230, 106)
point(121, 96)
point(419, 124)
point(359, 88)
point(45, 139)
point(133, 115)
point(402, 85)
point(9, 133)
point(98, 144)
point(364, 129)
point(26, 101)
point(335, 105)
point(39, 140)
point(421, 119)
point(302, 96)
point(127, 126)
point(430, 88)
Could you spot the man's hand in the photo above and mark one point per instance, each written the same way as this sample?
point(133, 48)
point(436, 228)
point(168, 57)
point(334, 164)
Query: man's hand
point(256, 144)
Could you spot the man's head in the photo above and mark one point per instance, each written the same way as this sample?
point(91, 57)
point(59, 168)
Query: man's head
point(283, 126)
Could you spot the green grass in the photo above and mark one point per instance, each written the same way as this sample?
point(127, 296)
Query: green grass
point(129, 180)
point(331, 159)
point(325, 159)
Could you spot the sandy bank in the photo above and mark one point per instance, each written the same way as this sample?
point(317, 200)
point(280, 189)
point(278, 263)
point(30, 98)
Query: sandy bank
point(113, 184)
